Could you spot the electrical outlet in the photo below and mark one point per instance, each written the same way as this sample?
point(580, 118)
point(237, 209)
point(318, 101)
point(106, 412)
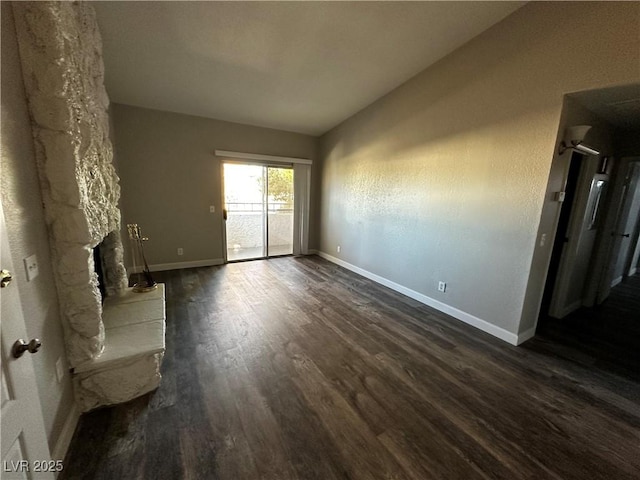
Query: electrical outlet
point(31, 266)
point(212, 209)
point(59, 369)
point(180, 251)
point(442, 287)
point(338, 249)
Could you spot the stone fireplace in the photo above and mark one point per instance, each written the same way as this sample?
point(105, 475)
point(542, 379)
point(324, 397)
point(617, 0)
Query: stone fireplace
point(114, 348)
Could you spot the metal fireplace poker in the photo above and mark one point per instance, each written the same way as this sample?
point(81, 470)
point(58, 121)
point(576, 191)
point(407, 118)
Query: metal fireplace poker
point(145, 280)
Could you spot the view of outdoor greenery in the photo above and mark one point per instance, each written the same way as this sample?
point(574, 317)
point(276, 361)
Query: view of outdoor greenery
point(280, 182)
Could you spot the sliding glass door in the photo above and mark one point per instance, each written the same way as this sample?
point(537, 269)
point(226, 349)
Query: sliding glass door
point(258, 211)
point(244, 211)
point(280, 211)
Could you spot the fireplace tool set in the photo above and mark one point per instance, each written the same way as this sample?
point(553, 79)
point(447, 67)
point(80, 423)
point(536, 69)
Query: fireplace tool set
point(145, 281)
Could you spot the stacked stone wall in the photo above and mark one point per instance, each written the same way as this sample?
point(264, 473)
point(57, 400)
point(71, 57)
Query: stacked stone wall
point(61, 56)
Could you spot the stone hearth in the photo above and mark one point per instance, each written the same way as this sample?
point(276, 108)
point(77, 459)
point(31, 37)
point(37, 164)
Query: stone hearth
point(133, 349)
point(61, 55)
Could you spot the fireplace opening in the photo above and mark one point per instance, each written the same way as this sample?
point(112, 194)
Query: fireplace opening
point(97, 260)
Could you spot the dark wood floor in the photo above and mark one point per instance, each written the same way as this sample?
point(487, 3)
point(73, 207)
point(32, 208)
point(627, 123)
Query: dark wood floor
point(296, 368)
point(606, 336)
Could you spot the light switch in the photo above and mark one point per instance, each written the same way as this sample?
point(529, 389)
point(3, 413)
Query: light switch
point(212, 209)
point(543, 239)
point(31, 266)
point(59, 370)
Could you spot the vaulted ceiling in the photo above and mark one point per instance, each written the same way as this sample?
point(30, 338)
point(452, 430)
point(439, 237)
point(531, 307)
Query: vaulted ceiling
point(297, 66)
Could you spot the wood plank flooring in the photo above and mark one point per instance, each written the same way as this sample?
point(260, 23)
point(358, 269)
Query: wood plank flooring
point(295, 368)
point(606, 336)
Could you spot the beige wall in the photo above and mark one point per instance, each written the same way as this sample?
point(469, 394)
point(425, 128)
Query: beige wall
point(22, 203)
point(170, 175)
point(445, 177)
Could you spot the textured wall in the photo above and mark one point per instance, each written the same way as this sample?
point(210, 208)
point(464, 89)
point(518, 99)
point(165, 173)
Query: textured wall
point(445, 177)
point(170, 176)
point(22, 203)
point(60, 51)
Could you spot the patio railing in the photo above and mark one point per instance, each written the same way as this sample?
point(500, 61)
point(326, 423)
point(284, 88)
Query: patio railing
point(272, 207)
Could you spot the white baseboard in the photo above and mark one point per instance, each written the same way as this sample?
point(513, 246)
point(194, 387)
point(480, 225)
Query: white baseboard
point(312, 251)
point(160, 267)
point(616, 281)
point(526, 335)
point(483, 325)
point(66, 434)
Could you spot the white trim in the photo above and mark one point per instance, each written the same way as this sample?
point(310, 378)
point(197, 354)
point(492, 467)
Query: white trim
point(313, 251)
point(160, 267)
point(616, 281)
point(483, 325)
point(260, 157)
point(526, 335)
point(66, 434)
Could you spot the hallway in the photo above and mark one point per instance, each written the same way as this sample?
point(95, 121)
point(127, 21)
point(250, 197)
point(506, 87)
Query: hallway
point(606, 336)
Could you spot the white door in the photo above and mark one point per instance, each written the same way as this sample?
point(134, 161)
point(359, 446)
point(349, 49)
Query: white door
point(584, 224)
point(627, 225)
point(25, 453)
point(624, 231)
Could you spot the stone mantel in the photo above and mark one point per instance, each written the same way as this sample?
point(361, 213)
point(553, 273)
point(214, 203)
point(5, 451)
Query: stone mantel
point(63, 71)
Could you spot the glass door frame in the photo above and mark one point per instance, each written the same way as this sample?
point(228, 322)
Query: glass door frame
point(264, 209)
point(268, 204)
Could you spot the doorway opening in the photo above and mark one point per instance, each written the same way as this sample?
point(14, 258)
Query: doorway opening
point(562, 232)
point(572, 269)
point(258, 211)
point(601, 330)
point(591, 299)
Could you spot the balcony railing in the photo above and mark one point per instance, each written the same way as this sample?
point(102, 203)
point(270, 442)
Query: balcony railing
point(272, 207)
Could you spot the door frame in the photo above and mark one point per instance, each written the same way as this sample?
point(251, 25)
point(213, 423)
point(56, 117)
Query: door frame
point(558, 307)
point(302, 168)
point(599, 276)
point(261, 163)
point(223, 216)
